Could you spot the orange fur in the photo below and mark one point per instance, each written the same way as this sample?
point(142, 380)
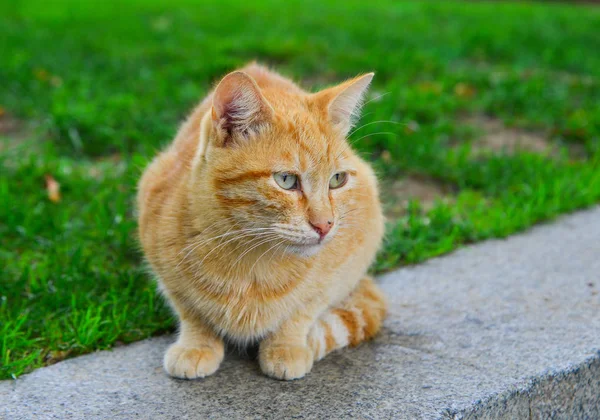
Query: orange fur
point(235, 254)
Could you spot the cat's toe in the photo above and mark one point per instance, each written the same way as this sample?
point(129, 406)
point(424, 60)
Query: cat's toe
point(286, 362)
point(189, 363)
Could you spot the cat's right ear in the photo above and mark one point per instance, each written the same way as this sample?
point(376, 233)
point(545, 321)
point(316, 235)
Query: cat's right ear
point(239, 109)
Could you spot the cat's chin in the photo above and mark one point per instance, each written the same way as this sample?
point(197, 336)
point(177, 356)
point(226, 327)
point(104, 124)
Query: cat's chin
point(305, 250)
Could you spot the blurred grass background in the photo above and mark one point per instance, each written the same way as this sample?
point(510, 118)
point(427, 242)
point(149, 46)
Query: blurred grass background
point(89, 91)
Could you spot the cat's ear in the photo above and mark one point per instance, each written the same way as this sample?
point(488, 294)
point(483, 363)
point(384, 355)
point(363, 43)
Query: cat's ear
point(343, 102)
point(239, 108)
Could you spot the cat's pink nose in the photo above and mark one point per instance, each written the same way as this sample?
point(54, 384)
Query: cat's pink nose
point(322, 227)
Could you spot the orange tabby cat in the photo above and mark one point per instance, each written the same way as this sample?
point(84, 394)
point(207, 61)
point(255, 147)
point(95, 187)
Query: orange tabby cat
point(260, 223)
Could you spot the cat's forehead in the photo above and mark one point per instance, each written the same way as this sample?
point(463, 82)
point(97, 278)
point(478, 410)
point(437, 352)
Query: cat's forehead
point(309, 146)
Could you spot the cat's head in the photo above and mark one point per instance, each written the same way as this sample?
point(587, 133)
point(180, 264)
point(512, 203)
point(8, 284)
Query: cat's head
point(279, 166)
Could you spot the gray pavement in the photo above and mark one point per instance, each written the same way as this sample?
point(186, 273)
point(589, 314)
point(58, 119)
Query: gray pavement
point(502, 329)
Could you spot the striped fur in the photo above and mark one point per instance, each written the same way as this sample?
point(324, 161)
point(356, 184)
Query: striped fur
point(357, 319)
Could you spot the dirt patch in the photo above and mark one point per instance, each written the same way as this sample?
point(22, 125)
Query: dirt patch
point(498, 138)
point(56, 356)
point(399, 193)
point(8, 124)
point(18, 136)
point(107, 165)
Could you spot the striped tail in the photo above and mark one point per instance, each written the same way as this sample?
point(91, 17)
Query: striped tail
point(357, 319)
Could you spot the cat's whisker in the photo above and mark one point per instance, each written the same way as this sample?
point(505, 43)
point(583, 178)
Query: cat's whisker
point(220, 221)
point(350, 211)
point(375, 122)
point(287, 226)
point(353, 229)
point(212, 226)
point(357, 225)
point(376, 98)
point(229, 233)
point(261, 255)
point(222, 245)
point(205, 241)
point(374, 134)
point(275, 252)
point(264, 241)
point(249, 241)
point(350, 143)
point(290, 234)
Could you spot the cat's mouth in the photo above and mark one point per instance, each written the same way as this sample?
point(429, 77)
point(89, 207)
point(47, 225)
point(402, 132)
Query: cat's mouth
point(305, 250)
point(307, 246)
point(307, 241)
point(301, 242)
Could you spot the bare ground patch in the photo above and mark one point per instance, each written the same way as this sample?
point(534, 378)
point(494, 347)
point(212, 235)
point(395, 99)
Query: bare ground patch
point(8, 124)
point(397, 194)
point(15, 134)
point(498, 138)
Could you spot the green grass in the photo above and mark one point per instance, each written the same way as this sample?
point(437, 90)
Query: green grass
point(106, 87)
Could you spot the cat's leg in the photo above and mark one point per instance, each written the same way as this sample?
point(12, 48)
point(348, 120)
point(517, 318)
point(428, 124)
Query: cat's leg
point(285, 354)
point(291, 351)
point(358, 318)
point(197, 353)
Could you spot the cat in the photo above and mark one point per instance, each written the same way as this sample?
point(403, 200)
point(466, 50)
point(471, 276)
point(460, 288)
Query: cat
point(260, 223)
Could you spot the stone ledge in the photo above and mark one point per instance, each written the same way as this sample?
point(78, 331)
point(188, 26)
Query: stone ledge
point(572, 393)
point(502, 329)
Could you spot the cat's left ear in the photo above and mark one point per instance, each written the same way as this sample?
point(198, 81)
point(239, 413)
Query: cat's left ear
point(343, 102)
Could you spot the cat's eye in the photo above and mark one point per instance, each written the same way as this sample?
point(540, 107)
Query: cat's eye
point(338, 180)
point(286, 180)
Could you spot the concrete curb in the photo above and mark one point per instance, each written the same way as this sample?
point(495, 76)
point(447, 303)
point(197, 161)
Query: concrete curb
point(502, 329)
point(572, 393)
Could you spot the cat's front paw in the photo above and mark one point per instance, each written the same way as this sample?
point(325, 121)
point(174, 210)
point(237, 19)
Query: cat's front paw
point(285, 362)
point(189, 363)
